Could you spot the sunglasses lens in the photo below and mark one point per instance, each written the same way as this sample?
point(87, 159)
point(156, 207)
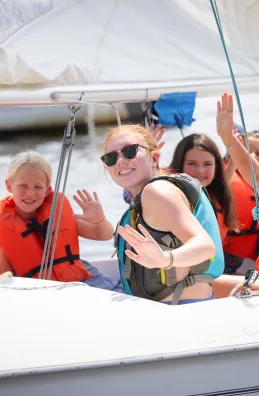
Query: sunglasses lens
point(130, 152)
point(110, 159)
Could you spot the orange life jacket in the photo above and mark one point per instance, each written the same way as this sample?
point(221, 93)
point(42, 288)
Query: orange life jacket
point(246, 242)
point(23, 241)
point(223, 229)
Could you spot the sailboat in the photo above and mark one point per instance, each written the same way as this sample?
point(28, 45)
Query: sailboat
point(63, 339)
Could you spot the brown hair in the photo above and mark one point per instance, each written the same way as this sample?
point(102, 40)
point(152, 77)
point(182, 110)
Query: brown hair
point(219, 187)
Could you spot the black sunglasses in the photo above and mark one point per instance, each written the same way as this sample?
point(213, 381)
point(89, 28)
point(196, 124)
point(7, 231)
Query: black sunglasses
point(128, 152)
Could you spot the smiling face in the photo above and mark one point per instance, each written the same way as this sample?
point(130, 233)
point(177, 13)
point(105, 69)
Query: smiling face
point(29, 187)
point(131, 173)
point(201, 165)
point(254, 147)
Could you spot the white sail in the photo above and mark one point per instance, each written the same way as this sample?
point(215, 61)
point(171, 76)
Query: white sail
point(122, 46)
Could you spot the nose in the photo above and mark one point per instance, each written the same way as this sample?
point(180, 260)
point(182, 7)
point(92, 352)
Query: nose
point(121, 158)
point(29, 192)
point(200, 169)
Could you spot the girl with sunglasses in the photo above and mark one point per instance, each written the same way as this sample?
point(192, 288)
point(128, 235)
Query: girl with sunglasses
point(160, 259)
point(24, 218)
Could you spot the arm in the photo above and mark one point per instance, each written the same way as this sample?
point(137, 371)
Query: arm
point(236, 150)
point(4, 263)
point(92, 224)
point(174, 215)
point(102, 231)
point(230, 169)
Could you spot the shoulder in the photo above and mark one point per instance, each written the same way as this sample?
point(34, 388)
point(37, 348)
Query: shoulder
point(161, 191)
point(7, 203)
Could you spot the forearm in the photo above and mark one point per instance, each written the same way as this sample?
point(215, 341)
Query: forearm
point(230, 169)
point(192, 253)
point(103, 231)
point(239, 156)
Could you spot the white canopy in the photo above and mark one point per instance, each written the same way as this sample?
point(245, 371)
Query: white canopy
point(158, 43)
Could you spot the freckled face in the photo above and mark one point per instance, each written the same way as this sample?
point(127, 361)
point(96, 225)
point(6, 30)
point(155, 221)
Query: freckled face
point(201, 165)
point(29, 187)
point(131, 173)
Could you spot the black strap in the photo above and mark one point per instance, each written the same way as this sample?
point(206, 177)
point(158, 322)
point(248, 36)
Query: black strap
point(243, 232)
point(68, 258)
point(34, 226)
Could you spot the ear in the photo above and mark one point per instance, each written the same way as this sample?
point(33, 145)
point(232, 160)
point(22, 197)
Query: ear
point(8, 185)
point(48, 191)
point(156, 157)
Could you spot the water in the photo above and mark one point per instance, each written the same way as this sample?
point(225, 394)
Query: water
point(87, 170)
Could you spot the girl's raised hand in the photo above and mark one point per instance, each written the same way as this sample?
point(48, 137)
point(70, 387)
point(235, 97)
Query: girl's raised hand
point(158, 133)
point(91, 207)
point(148, 252)
point(225, 118)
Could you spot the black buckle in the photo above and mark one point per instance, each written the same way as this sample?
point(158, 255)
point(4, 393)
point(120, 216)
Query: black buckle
point(251, 277)
point(189, 281)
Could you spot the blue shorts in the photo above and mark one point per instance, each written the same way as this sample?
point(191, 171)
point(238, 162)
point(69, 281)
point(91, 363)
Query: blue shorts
point(100, 280)
point(232, 263)
point(182, 302)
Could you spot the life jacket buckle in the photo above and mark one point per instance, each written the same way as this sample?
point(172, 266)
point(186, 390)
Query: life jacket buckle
point(189, 281)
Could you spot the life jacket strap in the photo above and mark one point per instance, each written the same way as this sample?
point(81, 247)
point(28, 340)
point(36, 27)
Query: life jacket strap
point(251, 231)
point(68, 258)
point(190, 280)
point(34, 226)
point(127, 263)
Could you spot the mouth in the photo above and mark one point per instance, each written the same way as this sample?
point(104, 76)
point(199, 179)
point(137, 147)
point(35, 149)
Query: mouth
point(202, 180)
point(126, 172)
point(27, 202)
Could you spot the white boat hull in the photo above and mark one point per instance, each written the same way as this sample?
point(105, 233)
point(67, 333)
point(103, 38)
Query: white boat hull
point(235, 373)
point(81, 340)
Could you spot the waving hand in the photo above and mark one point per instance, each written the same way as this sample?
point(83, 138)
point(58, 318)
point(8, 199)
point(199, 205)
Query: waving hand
point(148, 252)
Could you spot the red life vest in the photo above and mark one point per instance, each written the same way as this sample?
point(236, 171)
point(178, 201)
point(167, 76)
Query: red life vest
point(246, 242)
point(22, 241)
point(223, 229)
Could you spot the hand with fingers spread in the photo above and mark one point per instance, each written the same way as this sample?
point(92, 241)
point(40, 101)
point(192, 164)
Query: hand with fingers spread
point(91, 207)
point(148, 252)
point(225, 120)
point(158, 132)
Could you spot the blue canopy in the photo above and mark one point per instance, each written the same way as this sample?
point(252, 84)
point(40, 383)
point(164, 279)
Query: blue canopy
point(176, 109)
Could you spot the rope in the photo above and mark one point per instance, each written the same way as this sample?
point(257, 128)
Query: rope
point(61, 203)
point(233, 291)
point(255, 211)
point(57, 287)
point(117, 113)
point(67, 145)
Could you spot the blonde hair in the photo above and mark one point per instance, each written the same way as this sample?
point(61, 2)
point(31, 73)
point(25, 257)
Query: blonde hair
point(146, 137)
point(31, 159)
